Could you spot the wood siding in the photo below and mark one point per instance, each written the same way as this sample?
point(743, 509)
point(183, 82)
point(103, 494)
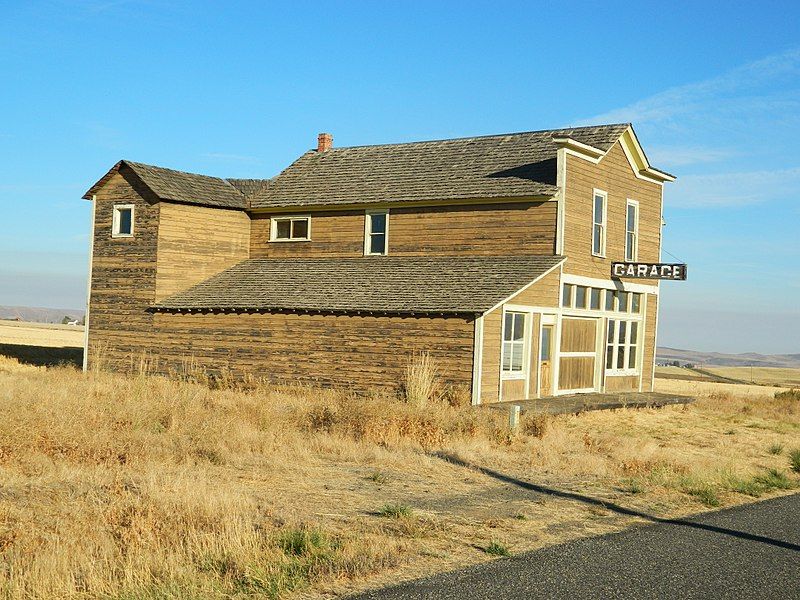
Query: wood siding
point(622, 383)
point(578, 335)
point(123, 274)
point(481, 229)
point(613, 175)
point(543, 293)
point(576, 373)
point(196, 242)
point(355, 352)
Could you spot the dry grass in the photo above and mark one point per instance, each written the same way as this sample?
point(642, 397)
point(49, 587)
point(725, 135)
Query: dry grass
point(144, 487)
point(41, 334)
point(760, 375)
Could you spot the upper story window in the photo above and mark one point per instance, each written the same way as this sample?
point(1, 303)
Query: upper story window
point(122, 221)
point(290, 229)
point(376, 233)
point(632, 231)
point(599, 210)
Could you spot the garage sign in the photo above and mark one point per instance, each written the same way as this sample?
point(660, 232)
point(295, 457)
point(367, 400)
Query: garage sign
point(636, 270)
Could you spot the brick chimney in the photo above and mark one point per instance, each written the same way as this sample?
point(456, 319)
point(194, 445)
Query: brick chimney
point(324, 142)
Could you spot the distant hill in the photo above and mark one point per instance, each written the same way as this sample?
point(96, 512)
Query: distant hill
point(39, 315)
point(747, 359)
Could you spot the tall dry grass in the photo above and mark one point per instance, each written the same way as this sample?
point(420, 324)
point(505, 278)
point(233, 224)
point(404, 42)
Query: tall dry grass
point(147, 487)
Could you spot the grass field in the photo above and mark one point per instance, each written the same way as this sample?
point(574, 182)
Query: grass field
point(760, 375)
point(143, 487)
point(41, 334)
point(768, 376)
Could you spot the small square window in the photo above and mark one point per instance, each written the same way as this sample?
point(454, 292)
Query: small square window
point(122, 221)
point(567, 297)
point(636, 303)
point(580, 296)
point(595, 299)
point(290, 229)
point(609, 299)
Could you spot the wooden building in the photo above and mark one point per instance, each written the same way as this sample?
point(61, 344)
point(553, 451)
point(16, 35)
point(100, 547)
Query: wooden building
point(491, 253)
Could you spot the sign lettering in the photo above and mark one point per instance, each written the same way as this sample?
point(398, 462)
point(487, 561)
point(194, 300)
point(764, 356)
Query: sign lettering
point(671, 271)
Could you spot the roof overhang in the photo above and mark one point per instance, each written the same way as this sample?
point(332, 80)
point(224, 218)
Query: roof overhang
point(630, 146)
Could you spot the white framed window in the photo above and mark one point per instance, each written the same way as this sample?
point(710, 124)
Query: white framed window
point(566, 295)
point(622, 347)
point(632, 231)
point(513, 360)
point(296, 228)
point(122, 220)
point(376, 232)
point(599, 210)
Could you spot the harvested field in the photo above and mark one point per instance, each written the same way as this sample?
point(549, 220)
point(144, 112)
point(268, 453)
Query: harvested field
point(143, 487)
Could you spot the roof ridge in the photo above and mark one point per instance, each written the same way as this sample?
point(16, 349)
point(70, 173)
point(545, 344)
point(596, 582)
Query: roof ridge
point(473, 137)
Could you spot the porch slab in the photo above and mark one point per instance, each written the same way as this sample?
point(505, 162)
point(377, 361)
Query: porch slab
point(577, 403)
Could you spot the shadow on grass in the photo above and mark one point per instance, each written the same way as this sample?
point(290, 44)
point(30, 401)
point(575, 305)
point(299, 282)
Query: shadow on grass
point(42, 356)
point(613, 507)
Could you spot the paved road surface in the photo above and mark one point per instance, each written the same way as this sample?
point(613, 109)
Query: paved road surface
point(750, 551)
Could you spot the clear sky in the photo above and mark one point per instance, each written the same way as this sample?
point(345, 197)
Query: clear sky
point(240, 89)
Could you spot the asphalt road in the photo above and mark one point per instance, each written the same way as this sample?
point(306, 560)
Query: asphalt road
point(749, 551)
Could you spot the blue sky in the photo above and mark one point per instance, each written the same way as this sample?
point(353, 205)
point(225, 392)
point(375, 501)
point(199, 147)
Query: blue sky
point(241, 89)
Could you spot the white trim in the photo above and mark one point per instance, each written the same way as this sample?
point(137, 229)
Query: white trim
point(561, 208)
point(89, 288)
point(579, 148)
point(618, 284)
point(655, 343)
point(477, 361)
point(115, 220)
point(525, 287)
point(635, 204)
point(638, 159)
point(273, 228)
point(578, 391)
point(625, 346)
point(604, 224)
point(368, 233)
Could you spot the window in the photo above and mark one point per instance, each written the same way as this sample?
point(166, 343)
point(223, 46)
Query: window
point(290, 229)
point(632, 231)
point(376, 236)
point(547, 343)
point(514, 343)
point(622, 347)
point(594, 301)
point(622, 301)
point(636, 303)
point(599, 223)
point(122, 221)
point(580, 296)
point(566, 299)
point(609, 299)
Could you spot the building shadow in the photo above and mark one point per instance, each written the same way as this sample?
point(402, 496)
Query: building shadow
point(613, 507)
point(42, 356)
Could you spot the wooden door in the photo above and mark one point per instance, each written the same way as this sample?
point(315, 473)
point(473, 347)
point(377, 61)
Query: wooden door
point(546, 362)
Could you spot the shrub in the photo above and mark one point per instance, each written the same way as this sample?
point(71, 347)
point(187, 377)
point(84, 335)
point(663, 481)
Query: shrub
point(776, 449)
point(421, 383)
point(497, 549)
point(396, 511)
point(792, 394)
point(773, 478)
point(535, 425)
point(705, 494)
point(794, 459)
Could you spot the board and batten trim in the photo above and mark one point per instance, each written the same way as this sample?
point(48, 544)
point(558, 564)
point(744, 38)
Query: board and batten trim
point(85, 365)
point(477, 361)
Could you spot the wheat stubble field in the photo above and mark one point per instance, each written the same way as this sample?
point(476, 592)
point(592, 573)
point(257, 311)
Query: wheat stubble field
point(117, 486)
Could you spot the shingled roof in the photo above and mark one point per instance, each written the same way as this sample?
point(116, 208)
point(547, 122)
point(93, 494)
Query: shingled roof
point(380, 284)
point(179, 186)
point(495, 166)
